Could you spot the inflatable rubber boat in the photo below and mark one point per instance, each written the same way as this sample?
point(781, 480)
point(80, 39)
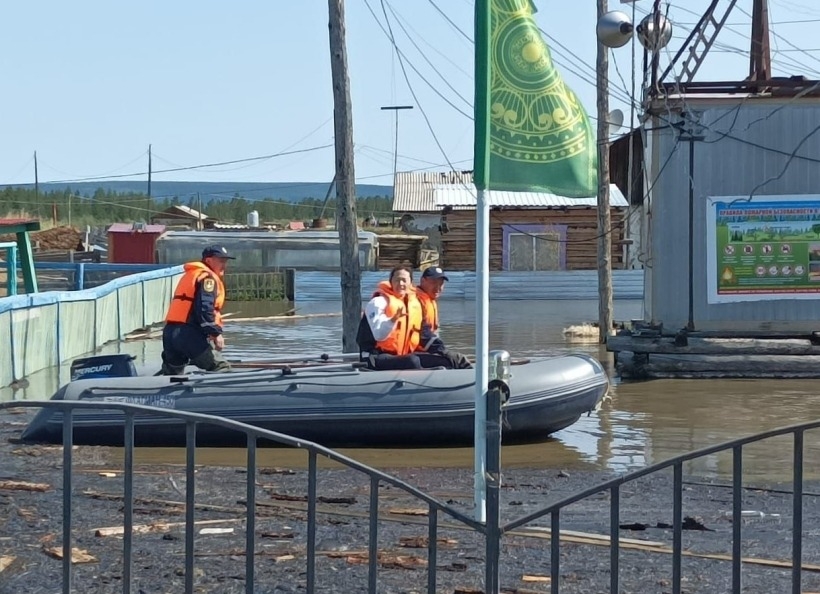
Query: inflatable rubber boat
point(335, 405)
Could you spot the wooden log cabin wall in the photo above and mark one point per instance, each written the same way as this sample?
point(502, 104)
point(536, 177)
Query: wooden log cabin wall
point(560, 239)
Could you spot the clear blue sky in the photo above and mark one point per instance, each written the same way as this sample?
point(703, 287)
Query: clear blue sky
point(89, 84)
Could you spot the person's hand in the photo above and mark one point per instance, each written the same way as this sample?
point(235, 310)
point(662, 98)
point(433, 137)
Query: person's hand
point(399, 314)
point(219, 342)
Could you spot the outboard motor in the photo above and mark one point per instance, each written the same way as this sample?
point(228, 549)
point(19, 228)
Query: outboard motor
point(103, 366)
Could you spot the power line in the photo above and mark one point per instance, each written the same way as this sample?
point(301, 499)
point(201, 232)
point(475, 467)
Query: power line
point(191, 167)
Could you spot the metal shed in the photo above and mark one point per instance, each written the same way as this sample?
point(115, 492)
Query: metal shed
point(300, 250)
point(708, 150)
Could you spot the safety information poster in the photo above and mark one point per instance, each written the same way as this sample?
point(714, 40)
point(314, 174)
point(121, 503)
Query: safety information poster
point(763, 248)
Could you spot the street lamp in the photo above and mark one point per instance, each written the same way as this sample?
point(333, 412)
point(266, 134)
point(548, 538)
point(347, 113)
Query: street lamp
point(615, 29)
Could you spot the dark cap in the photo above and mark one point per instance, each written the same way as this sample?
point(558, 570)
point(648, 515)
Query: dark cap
point(216, 251)
point(434, 272)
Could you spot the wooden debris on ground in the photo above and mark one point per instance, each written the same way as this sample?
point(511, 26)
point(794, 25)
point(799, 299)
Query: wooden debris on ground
point(320, 499)
point(544, 579)
point(77, 555)
point(277, 470)
point(5, 562)
point(24, 486)
point(387, 560)
point(408, 511)
point(206, 531)
point(277, 535)
point(422, 542)
point(157, 527)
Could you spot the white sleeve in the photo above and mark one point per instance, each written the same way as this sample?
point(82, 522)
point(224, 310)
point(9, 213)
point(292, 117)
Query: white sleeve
point(380, 324)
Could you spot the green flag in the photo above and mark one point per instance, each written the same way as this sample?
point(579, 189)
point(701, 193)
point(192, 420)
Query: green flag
point(531, 132)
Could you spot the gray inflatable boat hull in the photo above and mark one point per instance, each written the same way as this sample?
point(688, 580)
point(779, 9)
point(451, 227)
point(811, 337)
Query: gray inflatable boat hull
point(336, 407)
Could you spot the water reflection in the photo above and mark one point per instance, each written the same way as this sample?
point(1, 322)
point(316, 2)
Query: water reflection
point(644, 422)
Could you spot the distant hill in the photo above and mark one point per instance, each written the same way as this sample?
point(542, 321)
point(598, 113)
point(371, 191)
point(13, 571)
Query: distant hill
point(214, 191)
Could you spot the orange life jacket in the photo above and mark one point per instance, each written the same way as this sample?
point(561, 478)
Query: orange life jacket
point(183, 302)
point(429, 308)
point(406, 334)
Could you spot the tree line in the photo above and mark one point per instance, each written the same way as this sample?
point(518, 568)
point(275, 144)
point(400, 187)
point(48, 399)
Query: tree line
point(108, 206)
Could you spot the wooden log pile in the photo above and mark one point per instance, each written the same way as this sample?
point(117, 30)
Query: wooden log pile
point(698, 357)
point(56, 238)
point(395, 250)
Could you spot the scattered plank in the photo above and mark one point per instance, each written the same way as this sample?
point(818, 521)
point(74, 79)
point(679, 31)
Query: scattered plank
point(5, 562)
point(713, 346)
point(387, 560)
point(157, 527)
point(277, 535)
point(408, 511)
point(544, 579)
point(216, 531)
point(422, 542)
point(77, 555)
point(24, 486)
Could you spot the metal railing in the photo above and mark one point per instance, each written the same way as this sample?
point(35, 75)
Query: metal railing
point(493, 530)
point(192, 421)
point(41, 330)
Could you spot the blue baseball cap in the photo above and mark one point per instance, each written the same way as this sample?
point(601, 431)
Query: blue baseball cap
point(434, 272)
point(216, 251)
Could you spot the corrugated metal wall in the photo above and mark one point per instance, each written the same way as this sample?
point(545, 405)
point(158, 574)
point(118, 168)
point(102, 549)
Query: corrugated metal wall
point(762, 134)
point(580, 284)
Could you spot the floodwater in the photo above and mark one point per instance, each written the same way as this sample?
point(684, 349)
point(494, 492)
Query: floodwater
point(644, 422)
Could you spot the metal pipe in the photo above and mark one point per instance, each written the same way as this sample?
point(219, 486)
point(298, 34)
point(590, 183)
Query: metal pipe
point(493, 480)
point(797, 515)
point(190, 492)
point(690, 325)
point(250, 511)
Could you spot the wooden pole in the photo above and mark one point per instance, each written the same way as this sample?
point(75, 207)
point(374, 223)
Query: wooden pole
point(347, 222)
point(760, 58)
point(199, 212)
point(149, 205)
point(604, 215)
point(36, 182)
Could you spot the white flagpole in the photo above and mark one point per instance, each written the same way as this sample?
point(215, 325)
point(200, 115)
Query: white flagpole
point(482, 348)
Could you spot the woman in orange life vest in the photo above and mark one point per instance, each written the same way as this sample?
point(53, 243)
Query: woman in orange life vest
point(390, 328)
point(432, 351)
point(193, 324)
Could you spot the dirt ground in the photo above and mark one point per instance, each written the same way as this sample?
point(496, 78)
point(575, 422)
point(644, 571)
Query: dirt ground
point(31, 521)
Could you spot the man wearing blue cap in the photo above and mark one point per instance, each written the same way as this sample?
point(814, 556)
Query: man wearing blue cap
point(431, 349)
point(193, 325)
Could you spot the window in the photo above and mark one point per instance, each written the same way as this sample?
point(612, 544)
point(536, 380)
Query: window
point(534, 247)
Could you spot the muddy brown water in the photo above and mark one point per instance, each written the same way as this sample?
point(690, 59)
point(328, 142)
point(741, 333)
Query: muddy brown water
point(643, 423)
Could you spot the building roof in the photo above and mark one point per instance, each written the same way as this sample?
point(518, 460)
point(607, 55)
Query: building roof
point(182, 212)
point(413, 191)
point(464, 197)
point(430, 191)
point(135, 227)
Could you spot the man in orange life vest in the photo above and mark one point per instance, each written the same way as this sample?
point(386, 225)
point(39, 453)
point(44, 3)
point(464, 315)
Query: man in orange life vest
point(193, 325)
point(431, 348)
point(390, 328)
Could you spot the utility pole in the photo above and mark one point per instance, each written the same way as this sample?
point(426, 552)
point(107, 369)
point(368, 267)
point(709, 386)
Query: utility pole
point(36, 182)
point(760, 57)
point(199, 212)
point(149, 172)
point(150, 205)
point(604, 215)
point(395, 109)
point(347, 222)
